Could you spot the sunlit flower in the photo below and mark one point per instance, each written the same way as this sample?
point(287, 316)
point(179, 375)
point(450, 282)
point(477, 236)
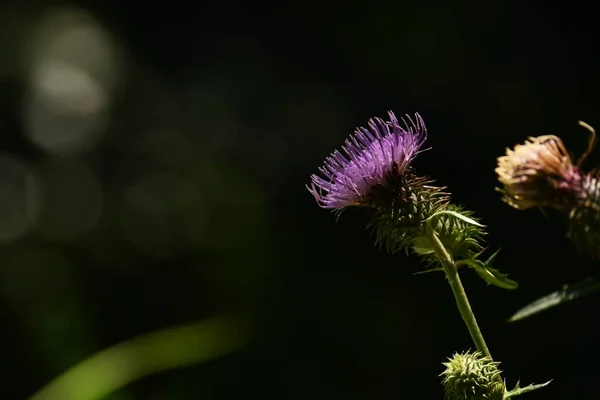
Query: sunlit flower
point(539, 173)
point(371, 158)
point(375, 171)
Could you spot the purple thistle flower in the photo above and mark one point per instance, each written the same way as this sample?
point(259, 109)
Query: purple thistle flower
point(374, 170)
point(371, 157)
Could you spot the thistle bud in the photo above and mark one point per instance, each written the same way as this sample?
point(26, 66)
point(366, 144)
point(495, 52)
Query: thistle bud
point(471, 376)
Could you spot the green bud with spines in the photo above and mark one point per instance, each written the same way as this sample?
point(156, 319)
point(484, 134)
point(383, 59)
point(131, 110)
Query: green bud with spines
point(472, 376)
point(402, 209)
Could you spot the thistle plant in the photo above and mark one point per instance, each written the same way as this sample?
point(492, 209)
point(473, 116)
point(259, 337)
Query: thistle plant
point(541, 174)
point(410, 212)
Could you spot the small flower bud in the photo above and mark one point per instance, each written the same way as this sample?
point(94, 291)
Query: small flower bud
point(471, 376)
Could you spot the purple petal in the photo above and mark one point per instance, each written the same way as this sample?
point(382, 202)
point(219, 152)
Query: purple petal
point(370, 157)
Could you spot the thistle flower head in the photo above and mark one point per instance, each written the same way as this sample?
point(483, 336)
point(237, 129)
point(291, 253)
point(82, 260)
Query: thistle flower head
point(375, 171)
point(538, 173)
point(371, 158)
point(471, 376)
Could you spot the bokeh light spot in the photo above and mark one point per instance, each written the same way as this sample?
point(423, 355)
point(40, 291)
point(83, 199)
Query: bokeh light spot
point(73, 71)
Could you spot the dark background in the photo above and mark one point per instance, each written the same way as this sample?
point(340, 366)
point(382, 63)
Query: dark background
point(152, 171)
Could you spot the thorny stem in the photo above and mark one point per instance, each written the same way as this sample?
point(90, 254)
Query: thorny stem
point(460, 295)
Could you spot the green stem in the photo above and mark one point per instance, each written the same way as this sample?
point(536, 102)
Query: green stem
point(460, 295)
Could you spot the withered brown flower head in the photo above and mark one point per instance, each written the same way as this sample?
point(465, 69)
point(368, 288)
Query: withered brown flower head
point(538, 173)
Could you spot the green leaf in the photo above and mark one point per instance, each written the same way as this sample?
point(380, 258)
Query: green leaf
point(521, 390)
point(494, 277)
point(564, 295)
point(491, 259)
point(427, 271)
point(491, 275)
point(457, 215)
point(101, 374)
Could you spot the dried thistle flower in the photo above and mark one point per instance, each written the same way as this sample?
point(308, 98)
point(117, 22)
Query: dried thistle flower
point(373, 159)
point(471, 376)
point(539, 173)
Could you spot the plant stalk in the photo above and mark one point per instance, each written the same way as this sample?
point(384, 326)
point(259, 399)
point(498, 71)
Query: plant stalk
point(462, 302)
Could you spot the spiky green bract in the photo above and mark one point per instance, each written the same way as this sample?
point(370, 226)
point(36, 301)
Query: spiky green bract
point(400, 209)
point(461, 238)
point(471, 376)
point(584, 218)
point(518, 390)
